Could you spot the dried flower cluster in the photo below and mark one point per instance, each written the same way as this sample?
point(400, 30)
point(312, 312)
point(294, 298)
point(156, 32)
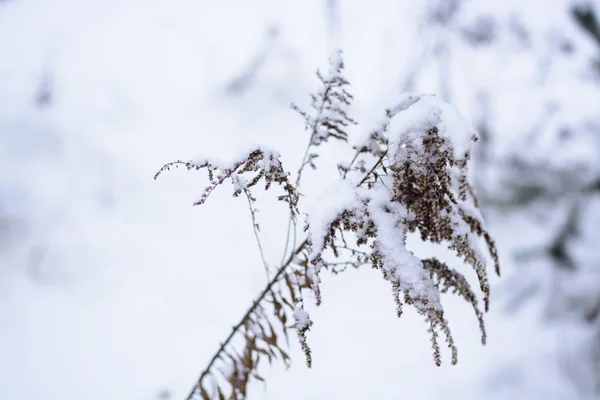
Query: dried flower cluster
point(330, 103)
point(417, 182)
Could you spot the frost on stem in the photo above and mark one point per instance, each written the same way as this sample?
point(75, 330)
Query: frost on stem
point(408, 176)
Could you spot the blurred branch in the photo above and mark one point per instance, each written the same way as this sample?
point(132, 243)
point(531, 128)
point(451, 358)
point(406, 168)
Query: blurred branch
point(241, 83)
point(45, 89)
point(588, 20)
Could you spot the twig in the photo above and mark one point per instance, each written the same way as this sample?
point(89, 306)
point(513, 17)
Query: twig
point(312, 135)
point(372, 169)
point(255, 229)
point(261, 296)
point(291, 221)
point(351, 164)
point(353, 250)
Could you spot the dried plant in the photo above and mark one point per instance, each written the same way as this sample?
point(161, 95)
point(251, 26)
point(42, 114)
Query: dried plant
point(416, 182)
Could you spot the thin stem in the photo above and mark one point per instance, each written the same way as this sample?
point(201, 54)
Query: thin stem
point(351, 164)
point(313, 134)
point(353, 250)
point(304, 159)
point(255, 228)
point(287, 239)
point(302, 165)
point(347, 263)
point(372, 169)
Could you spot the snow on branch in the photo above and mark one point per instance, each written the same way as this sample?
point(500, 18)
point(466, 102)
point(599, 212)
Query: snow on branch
point(263, 162)
point(409, 175)
point(418, 184)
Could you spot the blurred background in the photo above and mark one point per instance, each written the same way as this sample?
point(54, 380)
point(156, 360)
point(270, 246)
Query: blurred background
point(112, 286)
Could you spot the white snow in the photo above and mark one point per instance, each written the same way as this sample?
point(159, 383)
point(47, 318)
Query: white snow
point(397, 259)
point(302, 318)
point(340, 196)
point(113, 287)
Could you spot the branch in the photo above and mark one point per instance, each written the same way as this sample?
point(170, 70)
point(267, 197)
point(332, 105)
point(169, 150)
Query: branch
point(312, 135)
point(256, 229)
point(236, 328)
point(260, 297)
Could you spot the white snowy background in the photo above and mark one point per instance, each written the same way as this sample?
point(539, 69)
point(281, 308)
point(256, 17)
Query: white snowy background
point(112, 286)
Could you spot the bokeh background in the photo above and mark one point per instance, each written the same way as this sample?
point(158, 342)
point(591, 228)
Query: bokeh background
point(112, 286)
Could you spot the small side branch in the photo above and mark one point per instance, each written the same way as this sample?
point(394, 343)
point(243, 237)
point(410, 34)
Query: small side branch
point(378, 163)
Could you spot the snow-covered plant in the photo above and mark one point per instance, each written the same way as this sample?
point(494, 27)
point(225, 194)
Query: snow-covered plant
point(540, 171)
point(408, 175)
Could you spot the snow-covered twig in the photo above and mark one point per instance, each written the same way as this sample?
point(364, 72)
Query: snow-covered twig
point(417, 183)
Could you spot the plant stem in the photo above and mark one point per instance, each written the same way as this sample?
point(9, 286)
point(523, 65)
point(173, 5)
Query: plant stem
point(261, 296)
point(255, 229)
point(372, 169)
point(235, 329)
point(313, 134)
